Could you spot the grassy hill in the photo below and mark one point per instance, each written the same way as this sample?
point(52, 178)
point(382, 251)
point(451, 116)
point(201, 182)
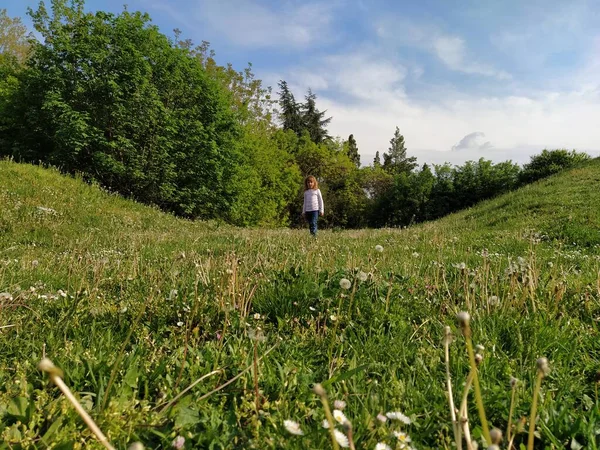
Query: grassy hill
point(136, 305)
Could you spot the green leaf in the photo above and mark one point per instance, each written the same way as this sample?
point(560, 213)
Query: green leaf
point(344, 375)
point(52, 429)
point(18, 408)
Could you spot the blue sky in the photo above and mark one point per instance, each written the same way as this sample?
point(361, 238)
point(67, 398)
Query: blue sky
point(462, 80)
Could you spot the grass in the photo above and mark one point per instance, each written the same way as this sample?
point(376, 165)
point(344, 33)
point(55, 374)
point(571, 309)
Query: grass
point(135, 305)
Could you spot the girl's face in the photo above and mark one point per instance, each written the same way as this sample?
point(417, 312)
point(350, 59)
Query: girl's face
point(310, 183)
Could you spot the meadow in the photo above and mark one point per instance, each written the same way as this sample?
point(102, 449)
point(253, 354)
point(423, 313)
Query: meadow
point(135, 306)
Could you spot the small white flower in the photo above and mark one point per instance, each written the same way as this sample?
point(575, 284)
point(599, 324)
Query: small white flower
point(382, 446)
point(293, 427)
point(178, 442)
point(378, 248)
point(339, 416)
point(341, 439)
point(325, 423)
point(395, 415)
point(62, 293)
point(123, 310)
point(402, 437)
point(415, 255)
point(311, 308)
point(257, 316)
point(345, 283)
point(333, 317)
point(362, 276)
point(382, 418)
point(339, 404)
point(180, 323)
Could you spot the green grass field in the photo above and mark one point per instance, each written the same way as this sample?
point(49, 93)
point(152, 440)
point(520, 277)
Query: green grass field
point(135, 305)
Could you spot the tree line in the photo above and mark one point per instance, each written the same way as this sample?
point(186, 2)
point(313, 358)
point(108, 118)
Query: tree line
point(155, 118)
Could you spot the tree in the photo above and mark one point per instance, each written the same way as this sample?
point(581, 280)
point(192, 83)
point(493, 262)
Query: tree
point(377, 160)
point(550, 162)
point(290, 110)
point(352, 150)
point(396, 161)
point(109, 96)
point(313, 120)
point(14, 39)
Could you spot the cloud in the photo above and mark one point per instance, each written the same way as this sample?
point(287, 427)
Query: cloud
point(473, 141)
point(250, 23)
point(450, 49)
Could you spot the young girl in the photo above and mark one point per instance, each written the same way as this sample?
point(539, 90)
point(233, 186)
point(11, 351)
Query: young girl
point(313, 203)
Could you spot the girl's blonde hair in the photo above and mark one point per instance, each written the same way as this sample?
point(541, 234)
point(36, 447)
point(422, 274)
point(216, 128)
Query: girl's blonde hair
point(310, 178)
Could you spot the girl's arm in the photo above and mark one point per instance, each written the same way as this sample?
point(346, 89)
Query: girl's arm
point(321, 205)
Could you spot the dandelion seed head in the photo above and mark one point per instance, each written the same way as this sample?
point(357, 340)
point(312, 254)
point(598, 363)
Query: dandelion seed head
point(513, 381)
point(293, 427)
point(495, 435)
point(345, 283)
point(319, 390)
point(542, 365)
point(362, 276)
point(463, 318)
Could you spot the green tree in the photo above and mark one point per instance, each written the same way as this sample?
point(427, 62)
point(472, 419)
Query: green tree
point(352, 150)
point(14, 38)
point(313, 120)
point(550, 162)
point(290, 114)
point(377, 160)
point(109, 96)
point(395, 160)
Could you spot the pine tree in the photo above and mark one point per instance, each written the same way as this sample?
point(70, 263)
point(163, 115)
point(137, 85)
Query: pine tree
point(290, 110)
point(377, 160)
point(352, 150)
point(313, 119)
point(396, 161)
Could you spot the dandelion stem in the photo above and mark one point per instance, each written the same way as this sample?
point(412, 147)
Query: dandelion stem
point(318, 389)
point(510, 412)
point(533, 414)
point(55, 376)
point(478, 397)
point(455, 425)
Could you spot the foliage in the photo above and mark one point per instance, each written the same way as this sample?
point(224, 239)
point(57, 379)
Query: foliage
point(550, 162)
point(395, 160)
point(14, 39)
point(352, 150)
point(521, 263)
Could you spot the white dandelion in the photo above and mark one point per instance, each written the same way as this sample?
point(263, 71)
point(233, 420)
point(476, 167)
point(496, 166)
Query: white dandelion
point(293, 427)
point(345, 283)
point(362, 276)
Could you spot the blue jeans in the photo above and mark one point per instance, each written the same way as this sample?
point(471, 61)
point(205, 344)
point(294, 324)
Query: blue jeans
point(311, 217)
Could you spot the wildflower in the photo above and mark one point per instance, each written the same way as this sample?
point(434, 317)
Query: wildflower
point(382, 418)
point(550, 264)
point(379, 248)
point(362, 276)
point(494, 300)
point(293, 427)
point(333, 317)
point(257, 316)
point(542, 365)
point(403, 438)
point(415, 255)
point(325, 423)
point(341, 438)
point(123, 310)
point(34, 263)
point(311, 308)
point(345, 283)
point(382, 446)
point(180, 323)
point(395, 415)
point(339, 416)
point(178, 442)
point(339, 404)
point(62, 293)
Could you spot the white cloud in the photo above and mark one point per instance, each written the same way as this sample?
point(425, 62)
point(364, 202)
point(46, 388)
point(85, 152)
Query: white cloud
point(375, 101)
point(248, 23)
point(473, 141)
point(450, 49)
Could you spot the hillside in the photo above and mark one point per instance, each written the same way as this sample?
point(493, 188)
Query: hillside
point(135, 305)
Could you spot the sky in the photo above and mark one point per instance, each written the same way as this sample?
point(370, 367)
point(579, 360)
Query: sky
point(463, 80)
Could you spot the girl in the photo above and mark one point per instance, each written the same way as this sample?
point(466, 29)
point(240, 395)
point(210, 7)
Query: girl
point(313, 203)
